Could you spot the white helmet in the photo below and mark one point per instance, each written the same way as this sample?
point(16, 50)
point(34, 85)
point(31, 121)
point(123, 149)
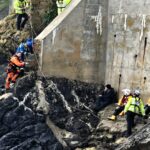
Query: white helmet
point(126, 91)
point(137, 92)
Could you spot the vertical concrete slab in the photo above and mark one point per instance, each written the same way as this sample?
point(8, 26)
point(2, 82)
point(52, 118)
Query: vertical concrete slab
point(128, 45)
point(74, 44)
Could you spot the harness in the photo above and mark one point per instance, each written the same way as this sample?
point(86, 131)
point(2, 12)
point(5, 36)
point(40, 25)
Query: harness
point(136, 104)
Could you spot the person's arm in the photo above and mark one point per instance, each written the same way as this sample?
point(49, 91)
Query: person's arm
point(142, 107)
point(17, 6)
point(17, 62)
point(120, 101)
point(109, 94)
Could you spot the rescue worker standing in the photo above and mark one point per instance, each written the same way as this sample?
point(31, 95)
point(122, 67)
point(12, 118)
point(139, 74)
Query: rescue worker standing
point(20, 7)
point(13, 70)
point(133, 107)
point(61, 5)
point(121, 104)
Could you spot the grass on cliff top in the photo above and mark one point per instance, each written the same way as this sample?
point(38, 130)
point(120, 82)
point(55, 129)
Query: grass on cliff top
point(4, 4)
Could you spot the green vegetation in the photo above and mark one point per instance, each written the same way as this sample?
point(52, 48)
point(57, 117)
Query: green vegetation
point(50, 14)
point(4, 4)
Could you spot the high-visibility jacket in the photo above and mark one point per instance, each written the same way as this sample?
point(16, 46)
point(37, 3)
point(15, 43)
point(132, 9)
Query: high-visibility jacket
point(61, 5)
point(20, 6)
point(135, 105)
point(123, 101)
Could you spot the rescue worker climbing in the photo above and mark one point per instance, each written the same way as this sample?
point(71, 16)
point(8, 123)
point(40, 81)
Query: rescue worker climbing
point(20, 7)
point(13, 70)
point(22, 49)
point(133, 107)
point(25, 47)
point(121, 104)
point(61, 5)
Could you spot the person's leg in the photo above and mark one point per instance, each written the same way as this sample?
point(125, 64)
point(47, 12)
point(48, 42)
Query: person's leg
point(30, 48)
point(8, 80)
point(118, 110)
point(19, 17)
point(15, 76)
point(130, 122)
point(129, 126)
point(26, 17)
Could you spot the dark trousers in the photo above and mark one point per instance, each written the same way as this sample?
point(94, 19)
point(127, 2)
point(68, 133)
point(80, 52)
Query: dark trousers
point(130, 122)
point(147, 109)
point(20, 23)
point(30, 49)
point(118, 110)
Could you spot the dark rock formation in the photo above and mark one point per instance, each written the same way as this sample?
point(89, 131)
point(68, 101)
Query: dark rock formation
point(21, 128)
point(138, 141)
point(56, 113)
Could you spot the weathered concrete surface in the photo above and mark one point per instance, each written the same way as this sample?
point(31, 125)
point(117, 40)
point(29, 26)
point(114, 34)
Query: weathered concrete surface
point(128, 44)
point(74, 44)
point(112, 49)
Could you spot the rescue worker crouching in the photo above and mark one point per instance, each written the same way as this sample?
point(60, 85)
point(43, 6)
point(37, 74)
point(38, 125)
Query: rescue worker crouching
point(133, 107)
point(121, 104)
point(14, 70)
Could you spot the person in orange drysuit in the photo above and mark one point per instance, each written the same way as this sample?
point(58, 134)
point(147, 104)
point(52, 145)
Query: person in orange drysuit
point(13, 70)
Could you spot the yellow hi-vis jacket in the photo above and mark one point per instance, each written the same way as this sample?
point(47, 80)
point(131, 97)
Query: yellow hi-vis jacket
point(135, 105)
point(20, 6)
point(61, 5)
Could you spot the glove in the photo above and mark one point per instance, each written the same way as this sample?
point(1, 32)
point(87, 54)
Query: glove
point(26, 63)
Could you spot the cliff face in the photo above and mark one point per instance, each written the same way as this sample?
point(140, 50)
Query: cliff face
point(4, 8)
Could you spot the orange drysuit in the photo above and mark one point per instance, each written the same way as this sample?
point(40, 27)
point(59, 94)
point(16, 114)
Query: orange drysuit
point(13, 70)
